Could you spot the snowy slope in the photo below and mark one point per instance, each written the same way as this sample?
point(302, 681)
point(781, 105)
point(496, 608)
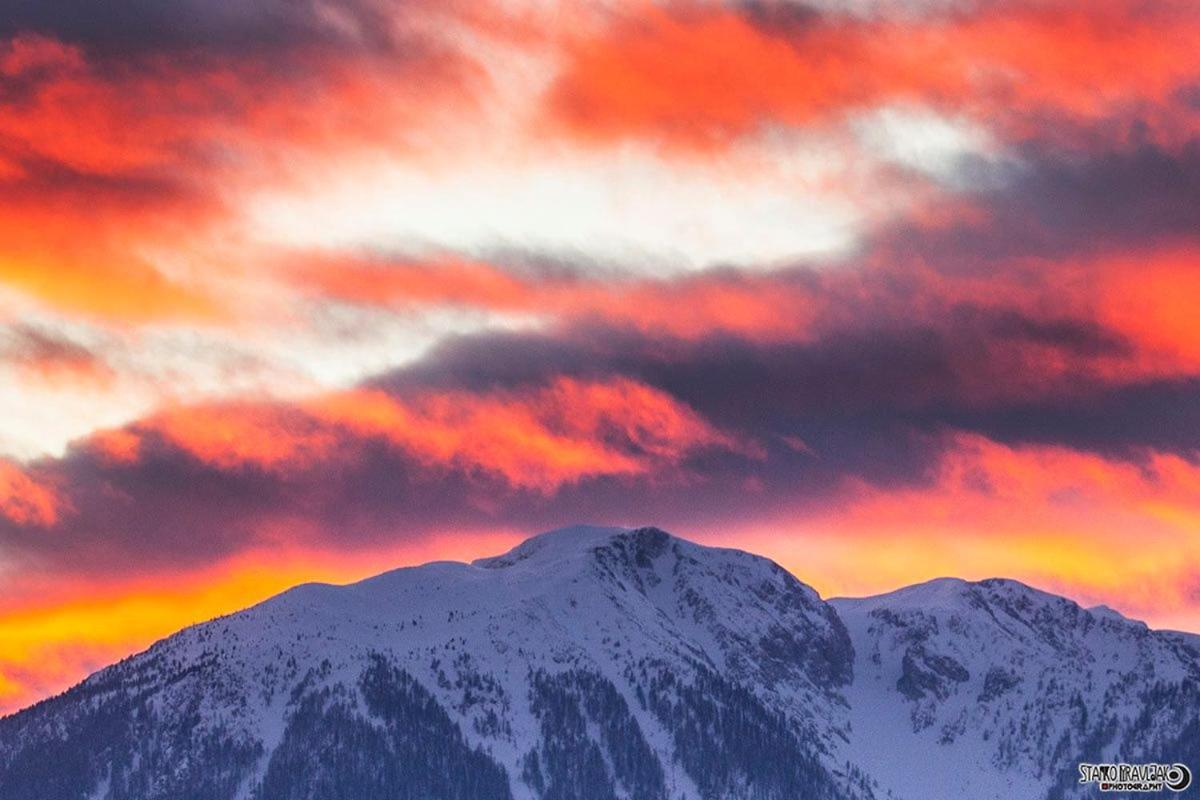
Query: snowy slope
point(609, 663)
point(995, 689)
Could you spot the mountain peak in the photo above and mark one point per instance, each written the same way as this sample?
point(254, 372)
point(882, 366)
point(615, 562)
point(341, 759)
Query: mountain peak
point(956, 595)
point(564, 544)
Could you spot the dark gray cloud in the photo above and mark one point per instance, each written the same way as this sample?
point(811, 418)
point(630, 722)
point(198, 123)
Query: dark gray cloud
point(1061, 203)
point(1118, 421)
point(129, 27)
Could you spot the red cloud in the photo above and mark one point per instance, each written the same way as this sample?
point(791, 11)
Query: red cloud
point(701, 75)
point(24, 500)
point(112, 167)
point(537, 438)
point(759, 307)
point(1152, 298)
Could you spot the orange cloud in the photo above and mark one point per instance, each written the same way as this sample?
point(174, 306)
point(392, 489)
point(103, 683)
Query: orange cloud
point(265, 436)
point(447, 281)
point(24, 500)
point(702, 75)
point(538, 438)
point(102, 166)
point(117, 446)
point(85, 261)
point(757, 307)
point(733, 79)
point(117, 176)
point(1153, 298)
point(1096, 529)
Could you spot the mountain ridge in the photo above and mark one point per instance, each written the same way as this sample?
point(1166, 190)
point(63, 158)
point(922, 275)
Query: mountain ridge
point(630, 660)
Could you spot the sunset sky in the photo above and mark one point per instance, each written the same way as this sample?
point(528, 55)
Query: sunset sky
point(308, 290)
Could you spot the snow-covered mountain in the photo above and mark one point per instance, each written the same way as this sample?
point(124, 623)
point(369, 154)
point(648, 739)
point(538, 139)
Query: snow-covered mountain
point(997, 690)
point(599, 663)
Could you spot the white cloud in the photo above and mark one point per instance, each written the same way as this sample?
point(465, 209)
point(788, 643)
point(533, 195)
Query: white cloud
point(625, 205)
point(924, 141)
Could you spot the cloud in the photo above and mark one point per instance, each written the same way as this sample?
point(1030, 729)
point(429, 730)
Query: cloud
point(186, 486)
point(1094, 528)
point(1016, 331)
point(534, 438)
point(24, 500)
point(118, 175)
point(630, 207)
point(45, 354)
point(143, 25)
point(1061, 204)
point(722, 301)
point(751, 70)
point(601, 412)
